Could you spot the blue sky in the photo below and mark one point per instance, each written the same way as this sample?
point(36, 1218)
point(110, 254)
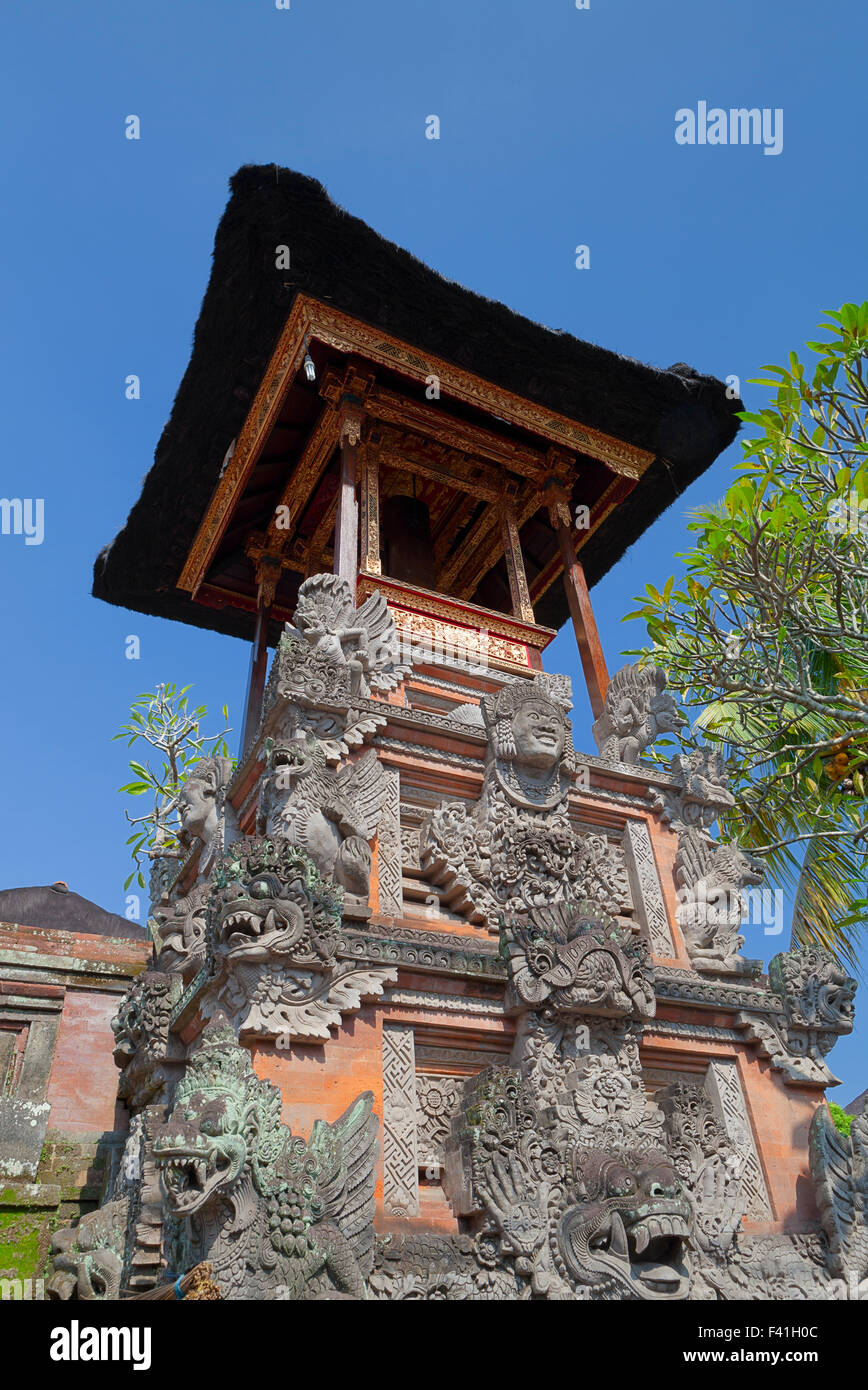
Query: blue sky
point(557, 128)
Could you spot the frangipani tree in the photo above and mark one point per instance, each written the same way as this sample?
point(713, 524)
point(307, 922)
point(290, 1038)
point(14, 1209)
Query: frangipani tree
point(766, 635)
point(162, 720)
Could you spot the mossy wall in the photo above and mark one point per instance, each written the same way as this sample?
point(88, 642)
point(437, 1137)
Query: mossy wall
point(71, 1177)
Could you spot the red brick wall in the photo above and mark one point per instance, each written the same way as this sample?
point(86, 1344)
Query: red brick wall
point(84, 1078)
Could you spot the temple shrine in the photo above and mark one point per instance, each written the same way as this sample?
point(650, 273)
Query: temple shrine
point(436, 1004)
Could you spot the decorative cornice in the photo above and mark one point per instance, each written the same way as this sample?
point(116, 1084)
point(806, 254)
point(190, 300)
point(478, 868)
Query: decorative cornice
point(425, 950)
point(685, 986)
point(444, 1003)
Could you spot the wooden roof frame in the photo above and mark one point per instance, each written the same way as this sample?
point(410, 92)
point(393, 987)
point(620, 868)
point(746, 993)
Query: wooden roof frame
point(311, 319)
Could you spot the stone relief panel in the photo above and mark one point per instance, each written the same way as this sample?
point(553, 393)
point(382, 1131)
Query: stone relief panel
point(646, 891)
point(390, 848)
point(437, 1100)
point(400, 1152)
point(517, 848)
point(724, 1087)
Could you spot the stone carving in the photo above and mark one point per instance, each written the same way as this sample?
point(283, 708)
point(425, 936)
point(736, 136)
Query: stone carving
point(141, 1032)
point(568, 1219)
point(455, 850)
point(603, 1099)
point(765, 1269)
point(88, 1259)
point(307, 694)
point(517, 847)
point(437, 1099)
point(574, 959)
point(363, 640)
point(276, 1217)
point(416, 947)
point(532, 754)
point(839, 1168)
point(711, 879)
point(400, 1158)
point(178, 929)
point(817, 996)
point(709, 1164)
point(699, 790)
point(636, 711)
point(390, 847)
point(207, 817)
point(275, 931)
point(329, 814)
point(724, 1088)
point(117, 1246)
point(645, 887)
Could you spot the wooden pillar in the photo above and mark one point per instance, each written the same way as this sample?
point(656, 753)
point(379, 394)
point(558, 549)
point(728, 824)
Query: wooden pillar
point(257, 674)
point(519, 592)
point(581, 612)
point(369, 510)
point(347, 524)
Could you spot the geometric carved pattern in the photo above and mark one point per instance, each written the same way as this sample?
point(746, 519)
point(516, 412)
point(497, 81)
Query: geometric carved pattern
point(400, 1161)
point(389, 855)
point(645, 885)
point(724, 1087)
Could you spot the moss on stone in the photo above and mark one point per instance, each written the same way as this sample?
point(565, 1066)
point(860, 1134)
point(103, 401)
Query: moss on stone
point(22, 1238)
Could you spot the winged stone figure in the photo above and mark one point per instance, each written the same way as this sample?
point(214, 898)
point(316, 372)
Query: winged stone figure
point(330, 814)
point(712, 904)
point(275, 1216)
point(363, 639)
point(839, 1168)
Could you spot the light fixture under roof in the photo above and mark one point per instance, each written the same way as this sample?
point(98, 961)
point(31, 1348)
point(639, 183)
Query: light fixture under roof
point(309, 364)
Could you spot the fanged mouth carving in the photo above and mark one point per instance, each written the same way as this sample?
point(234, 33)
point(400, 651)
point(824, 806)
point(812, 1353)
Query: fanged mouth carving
point(190, 1175)
point(647, 1251)
point(242, 929)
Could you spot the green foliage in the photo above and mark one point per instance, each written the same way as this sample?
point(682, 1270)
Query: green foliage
point(162, 720)
point(841, 1120)
point(766, 634)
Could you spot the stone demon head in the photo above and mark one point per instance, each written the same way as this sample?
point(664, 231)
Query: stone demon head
point(270, 905)
point(141, 1035)
point(571, 1217)
point(627, 1219)
point(224, 1129)
point(574, 958)
point(817, 994)
point(178, 929)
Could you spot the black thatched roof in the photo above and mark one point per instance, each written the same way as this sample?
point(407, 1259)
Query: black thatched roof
point(682, 417)
point(57, 909)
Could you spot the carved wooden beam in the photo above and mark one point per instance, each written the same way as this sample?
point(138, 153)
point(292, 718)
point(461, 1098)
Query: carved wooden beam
point(317, 543)
point(477, 536)
point(605, 504)
point(369, 509)
point(483, 547)
point(435, 423)
point(256, 675)
point(521, 605)
point(410, 453)
point(346, 559)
